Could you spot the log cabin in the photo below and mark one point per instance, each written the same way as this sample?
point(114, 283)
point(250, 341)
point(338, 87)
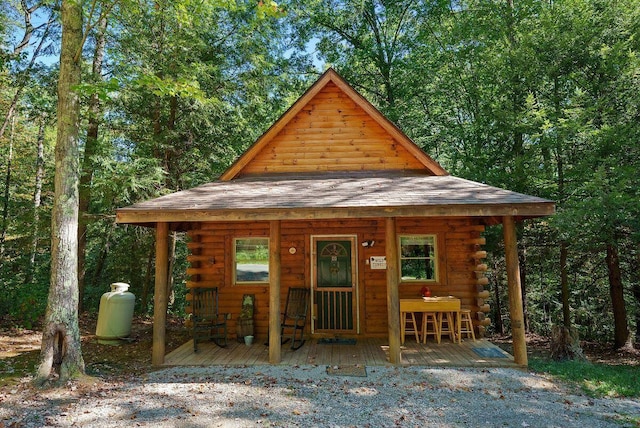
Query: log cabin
point(335, 198)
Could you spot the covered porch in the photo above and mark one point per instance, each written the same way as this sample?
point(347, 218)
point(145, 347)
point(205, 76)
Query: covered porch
point(361, 352)
point(290, 237)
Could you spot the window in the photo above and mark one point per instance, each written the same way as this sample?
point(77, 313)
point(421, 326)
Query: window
point(251, 260)
point(418, 258)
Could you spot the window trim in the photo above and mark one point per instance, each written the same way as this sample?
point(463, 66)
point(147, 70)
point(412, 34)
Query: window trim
point(435, 258)
point(234, 261)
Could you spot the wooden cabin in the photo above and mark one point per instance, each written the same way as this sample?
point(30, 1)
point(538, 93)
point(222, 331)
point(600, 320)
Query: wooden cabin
point(335, 198)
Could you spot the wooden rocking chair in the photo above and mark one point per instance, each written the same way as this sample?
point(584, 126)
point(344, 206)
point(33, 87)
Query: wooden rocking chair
point(295, 316)
point(208, 323)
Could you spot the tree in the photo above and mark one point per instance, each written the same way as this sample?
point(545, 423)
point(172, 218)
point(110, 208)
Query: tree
point(61, 351)
point(369, 42)
point(23, 76)
point(90, 150)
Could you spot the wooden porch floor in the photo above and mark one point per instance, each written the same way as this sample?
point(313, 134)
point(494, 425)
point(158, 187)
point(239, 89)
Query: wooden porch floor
point(368, 352)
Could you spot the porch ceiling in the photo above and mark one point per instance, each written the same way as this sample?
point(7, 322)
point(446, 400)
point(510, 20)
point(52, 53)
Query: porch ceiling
point(339, 195)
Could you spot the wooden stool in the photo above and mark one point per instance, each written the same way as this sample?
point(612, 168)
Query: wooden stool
point(466, 324)
point(413, 326)
point(430, 319)
point(450, 328)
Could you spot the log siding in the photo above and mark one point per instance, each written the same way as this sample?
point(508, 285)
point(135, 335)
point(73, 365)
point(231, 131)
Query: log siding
point(211, 264)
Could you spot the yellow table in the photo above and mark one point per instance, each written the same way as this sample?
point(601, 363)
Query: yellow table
point(440, 305)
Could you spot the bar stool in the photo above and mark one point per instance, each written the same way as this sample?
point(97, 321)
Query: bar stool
point(449, 327)
point(413, 326)
point(466, 324)
point(430, 319)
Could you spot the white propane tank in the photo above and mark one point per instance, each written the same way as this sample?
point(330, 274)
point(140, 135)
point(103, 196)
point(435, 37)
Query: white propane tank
point(115, 314)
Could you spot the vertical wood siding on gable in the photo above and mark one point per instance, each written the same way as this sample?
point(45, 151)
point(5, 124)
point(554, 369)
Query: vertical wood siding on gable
point(331, 133)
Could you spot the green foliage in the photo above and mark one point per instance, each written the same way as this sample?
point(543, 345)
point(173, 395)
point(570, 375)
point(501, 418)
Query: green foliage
point(103, 89)
point(537, 97)
point(597, 380)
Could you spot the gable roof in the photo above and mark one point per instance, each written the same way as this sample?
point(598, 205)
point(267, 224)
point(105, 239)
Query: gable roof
point(325, 130)
point(391, 176)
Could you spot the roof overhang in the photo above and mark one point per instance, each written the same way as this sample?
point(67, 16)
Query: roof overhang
point(343, 195)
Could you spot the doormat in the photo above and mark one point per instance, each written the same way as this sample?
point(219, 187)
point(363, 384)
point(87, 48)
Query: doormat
point(489, 352)
point(336, 341)
point(347, 370)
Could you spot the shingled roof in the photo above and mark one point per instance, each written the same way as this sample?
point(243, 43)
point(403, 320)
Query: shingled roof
point(343, 195)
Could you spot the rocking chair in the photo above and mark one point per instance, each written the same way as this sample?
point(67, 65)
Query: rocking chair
point(295, 316)
point(207, 322)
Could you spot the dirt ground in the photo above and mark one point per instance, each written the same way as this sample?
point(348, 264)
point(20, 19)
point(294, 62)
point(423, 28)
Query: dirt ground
point(19, 350)
point(228, 396)
point(114, 375)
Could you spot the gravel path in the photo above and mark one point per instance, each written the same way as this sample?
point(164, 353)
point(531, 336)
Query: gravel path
point(307, 396)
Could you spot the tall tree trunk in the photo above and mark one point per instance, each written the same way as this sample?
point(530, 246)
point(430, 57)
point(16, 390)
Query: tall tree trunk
point(144, 299)
point(7, 194)
point(37, 201)
point(564, 285)
point(90, 149)
point(102, 257)
point(621, 330)
point(522, 255)
point(636, 292)
point(172, 262)
point(518, 93)
point(60, 350)
point(497, 278)
point(383, 58)
point(564, 247)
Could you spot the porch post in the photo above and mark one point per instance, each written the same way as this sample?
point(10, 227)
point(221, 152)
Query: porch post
point(515, 291)
point(393, 300)
point(160, 294)
point(274, 293)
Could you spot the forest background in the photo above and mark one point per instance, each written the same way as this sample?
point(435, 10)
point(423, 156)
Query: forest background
point(539, 97)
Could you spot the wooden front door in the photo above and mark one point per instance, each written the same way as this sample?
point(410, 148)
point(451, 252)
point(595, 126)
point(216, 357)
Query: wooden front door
point(334, 285)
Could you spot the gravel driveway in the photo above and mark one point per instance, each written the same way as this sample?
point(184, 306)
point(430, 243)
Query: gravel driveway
point(307, 396)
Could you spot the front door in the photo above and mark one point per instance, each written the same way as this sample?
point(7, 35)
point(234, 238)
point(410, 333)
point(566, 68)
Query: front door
point(334, 293)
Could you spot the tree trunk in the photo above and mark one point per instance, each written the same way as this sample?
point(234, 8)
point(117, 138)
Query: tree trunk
point(522, 255)
point(564, 247)
point(37, 201)
point(61, 354)
point(7, 194)
point(497, 277)
point(102, 257)
point(564, 285)
point(144, 299)
point(621, 331)
point(636, 292)
point(172, 262)
point(90, 149)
